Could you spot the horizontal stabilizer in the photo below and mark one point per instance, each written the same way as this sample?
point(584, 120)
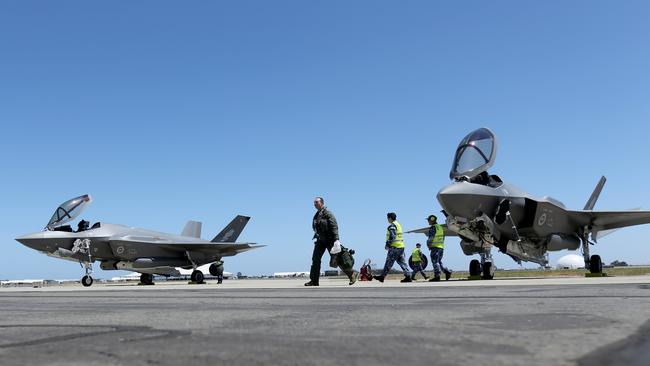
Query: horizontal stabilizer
point(608, 220)
point(231, 232)
point(192, 229)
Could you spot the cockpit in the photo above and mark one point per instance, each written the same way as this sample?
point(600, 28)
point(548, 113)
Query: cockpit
point(68, 211)
point(474, 156)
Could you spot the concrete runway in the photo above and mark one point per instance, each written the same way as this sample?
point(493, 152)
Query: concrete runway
point(583, 321)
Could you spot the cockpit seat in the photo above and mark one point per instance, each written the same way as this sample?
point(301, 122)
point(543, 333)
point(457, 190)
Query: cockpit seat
point(83, 226)
point(96, 225)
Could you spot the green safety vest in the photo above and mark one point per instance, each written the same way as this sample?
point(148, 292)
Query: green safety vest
point(438, 240)
point(398, 242)
point(415, 257)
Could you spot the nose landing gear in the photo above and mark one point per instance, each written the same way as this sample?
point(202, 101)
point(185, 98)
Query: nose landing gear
point(83, 246)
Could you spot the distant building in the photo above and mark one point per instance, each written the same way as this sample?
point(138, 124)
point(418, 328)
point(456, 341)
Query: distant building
point(290, 274)
point(571, 261)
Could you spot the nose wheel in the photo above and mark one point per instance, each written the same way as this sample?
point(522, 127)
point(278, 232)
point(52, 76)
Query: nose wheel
point(87, 281)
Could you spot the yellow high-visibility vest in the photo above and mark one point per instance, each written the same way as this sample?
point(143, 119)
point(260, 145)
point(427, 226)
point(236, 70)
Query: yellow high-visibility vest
point(398, 242)
point(415, 257)
point(438, 240)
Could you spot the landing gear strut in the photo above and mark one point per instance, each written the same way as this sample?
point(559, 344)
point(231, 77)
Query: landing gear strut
point(196, 276)
point(83, 246)
point(593, 263)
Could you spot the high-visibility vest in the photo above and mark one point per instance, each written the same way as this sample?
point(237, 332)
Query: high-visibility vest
point(415, 257)
point(398, 242)
point(438, 240)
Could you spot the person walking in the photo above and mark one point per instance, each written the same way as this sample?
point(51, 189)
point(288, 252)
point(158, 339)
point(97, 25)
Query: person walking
point(436, 244)
point(326, 233)
point(395, 247)
point(416, 259)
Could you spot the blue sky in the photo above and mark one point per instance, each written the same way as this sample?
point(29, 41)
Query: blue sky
point(166, 112)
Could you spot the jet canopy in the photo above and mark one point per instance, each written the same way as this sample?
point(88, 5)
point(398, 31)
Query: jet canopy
point(68, 211)
point(475, 154)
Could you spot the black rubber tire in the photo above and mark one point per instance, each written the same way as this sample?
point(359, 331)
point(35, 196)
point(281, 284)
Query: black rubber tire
point(474, 267)
point(216, 270)
point(87, 281)
point(197, 276)
point(146, 279)
point(424, 263)
point(595, 264)
point(488, 272)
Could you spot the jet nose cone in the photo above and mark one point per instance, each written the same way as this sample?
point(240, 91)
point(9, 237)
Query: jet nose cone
point(453, 197)
point(29, 239)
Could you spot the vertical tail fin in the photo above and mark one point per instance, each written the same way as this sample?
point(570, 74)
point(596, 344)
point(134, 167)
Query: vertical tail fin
point(192, 229)
point(594, 196)
point(231, 232)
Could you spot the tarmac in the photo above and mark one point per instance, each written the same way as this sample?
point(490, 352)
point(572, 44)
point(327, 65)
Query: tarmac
point(548, 321)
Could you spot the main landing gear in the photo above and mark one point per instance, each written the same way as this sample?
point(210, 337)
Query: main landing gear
point(593, 263)
point(146, 279)
point(197, 276)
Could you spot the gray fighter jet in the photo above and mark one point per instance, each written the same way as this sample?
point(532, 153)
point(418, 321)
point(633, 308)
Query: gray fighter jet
point(119, 247)
point(485, 212)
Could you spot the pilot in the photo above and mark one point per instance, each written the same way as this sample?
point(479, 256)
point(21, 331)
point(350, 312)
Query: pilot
point(83, 226)
point(436, 244)
point(417, 262)
point(326, 233)
point(395, 247)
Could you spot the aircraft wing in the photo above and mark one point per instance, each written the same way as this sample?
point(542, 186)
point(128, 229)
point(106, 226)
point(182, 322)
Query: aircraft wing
point(225, 249)
point(425, 230)
point(608, 220)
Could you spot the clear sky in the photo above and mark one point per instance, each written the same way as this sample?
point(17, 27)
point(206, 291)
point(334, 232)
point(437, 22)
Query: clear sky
point(171, 111)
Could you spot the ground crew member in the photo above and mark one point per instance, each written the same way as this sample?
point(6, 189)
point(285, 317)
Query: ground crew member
point(436, 244)
point(326, 232)
point(417, 262)
point(395, 247)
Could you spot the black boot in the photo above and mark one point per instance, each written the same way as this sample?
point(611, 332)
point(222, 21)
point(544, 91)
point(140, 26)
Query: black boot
point(435, 279)
point(311, 283)
point(379, 278)
point(406, 279)
point(447, 275)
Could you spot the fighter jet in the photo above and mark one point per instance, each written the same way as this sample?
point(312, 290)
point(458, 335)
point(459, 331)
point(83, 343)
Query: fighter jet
point(485, 212)
point(119, 247)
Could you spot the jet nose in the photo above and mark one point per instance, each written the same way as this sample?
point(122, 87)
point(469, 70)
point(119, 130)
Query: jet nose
point(29, 240)
point(454, 197)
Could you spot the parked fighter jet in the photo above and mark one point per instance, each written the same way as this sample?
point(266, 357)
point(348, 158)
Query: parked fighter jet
point(119, 247)
point(485, 211)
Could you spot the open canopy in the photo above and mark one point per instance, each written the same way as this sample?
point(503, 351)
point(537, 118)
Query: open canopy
point(68, 211)
point(475, 154)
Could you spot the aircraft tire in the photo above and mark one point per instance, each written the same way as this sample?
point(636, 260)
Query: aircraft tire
point(474, 267)
point(87, 281)
point(488, 271)
point(197, 276)
point(595, 264)
point(146, 279)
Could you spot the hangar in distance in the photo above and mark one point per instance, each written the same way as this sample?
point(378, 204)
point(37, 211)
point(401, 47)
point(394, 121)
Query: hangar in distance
point(119, 247)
